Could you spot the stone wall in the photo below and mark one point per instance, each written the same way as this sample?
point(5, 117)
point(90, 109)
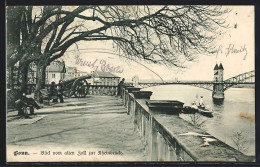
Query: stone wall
point(167, 137)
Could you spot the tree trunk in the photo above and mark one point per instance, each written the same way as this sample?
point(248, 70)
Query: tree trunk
point(41, 76)
point(23, 76)
point(40, 81)
point(13, 22)
point(10, 78)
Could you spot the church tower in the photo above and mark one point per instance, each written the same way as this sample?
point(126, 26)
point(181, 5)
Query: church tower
point(218, 84)
point(216, 73)
point(220, 72)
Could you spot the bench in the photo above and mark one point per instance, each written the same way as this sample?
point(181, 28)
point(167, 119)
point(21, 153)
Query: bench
point(46, 97)
point(25, 109)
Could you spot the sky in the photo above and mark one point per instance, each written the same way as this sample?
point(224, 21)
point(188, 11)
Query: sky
point(239, 36)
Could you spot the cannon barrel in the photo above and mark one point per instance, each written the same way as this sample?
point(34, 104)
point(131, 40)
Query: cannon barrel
point(78, 78)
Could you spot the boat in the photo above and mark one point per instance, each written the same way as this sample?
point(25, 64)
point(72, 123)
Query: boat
point(203, 110)
point(190, 109)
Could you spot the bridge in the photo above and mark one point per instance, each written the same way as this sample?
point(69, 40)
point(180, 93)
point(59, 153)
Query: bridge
point(239, 79)
point(218, 86)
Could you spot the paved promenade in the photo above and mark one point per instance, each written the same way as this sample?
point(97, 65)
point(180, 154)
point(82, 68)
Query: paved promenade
point(95, 128)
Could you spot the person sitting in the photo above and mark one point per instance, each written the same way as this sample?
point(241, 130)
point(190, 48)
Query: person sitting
point(54, 92)
point(26, 102)
point(193, 105)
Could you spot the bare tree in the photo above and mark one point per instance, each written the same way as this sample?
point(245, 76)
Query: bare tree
point(168, 35)
point(196, 120)
point(34, 29)
point(239, 141)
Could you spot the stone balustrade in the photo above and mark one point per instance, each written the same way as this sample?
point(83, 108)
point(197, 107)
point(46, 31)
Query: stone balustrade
point(103, 90)
point(167, 137)
point(93, 90)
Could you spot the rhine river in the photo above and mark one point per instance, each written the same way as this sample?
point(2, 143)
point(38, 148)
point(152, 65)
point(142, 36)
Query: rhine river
point(235, 115)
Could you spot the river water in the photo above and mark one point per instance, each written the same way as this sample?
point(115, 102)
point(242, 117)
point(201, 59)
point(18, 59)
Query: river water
point(236, 115)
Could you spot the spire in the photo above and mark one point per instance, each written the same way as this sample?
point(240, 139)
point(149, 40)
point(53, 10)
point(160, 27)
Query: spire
point(216, 67)
point(220, 67)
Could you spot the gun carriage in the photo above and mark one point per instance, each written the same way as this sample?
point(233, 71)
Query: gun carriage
point(76, 87)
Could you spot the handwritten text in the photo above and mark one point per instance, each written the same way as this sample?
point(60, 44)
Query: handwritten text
point(232, 49)
point(96, 64)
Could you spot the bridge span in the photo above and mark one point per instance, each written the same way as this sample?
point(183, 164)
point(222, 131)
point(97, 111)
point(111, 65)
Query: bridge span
point(217, 86)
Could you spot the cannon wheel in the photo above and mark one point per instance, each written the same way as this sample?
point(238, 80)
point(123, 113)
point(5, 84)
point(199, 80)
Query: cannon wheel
point(82, 88)
point(68, 92)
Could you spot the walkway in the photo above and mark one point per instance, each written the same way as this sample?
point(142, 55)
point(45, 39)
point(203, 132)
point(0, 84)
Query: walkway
point(95, 128)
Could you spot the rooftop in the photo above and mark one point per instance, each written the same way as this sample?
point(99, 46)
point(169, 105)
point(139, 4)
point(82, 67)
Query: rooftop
point(101, 74)
point(221, 66)
point(56, 66)
point(218, 67)
point(71, 68)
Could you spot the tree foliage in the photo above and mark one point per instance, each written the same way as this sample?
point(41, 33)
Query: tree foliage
point(168, 35)
point(156, 33)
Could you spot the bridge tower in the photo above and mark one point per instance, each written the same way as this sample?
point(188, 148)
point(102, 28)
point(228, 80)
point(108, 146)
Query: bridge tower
point(218, 83)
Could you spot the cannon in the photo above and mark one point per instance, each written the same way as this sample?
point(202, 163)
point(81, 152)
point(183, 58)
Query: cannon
point(76, 87)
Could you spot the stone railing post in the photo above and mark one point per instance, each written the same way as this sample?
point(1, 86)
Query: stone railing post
point(142, 118)
point(154, 142)
point(125, 94)
point(158, 145)
point(128, 104)
point(139, 95)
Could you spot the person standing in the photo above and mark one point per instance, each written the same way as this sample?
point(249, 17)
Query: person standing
point(201, 103)
point(119, 87)
point(60, 91)
point(54, 92)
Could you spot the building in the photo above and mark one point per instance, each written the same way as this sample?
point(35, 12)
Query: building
point(104, 78)
point(81, 73)
point(218, 86)
point(70, 72)
point(135, 80)
point(218, 73)
point(55, 72)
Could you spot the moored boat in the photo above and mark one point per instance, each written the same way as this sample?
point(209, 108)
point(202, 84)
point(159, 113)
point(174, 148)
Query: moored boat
point(203, 110)
point(189, 110)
